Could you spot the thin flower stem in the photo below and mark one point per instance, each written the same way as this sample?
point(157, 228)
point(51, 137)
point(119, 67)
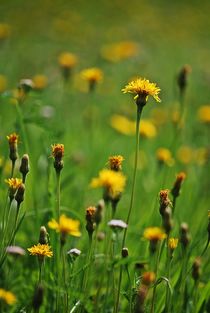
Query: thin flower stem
point(13, 167)
point(138, 117)
point(64, 280)
point(155, 271)
point(58, 200)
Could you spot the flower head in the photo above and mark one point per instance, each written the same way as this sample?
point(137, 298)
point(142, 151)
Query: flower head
point(57, 150)
point(164, 156)
point(93, 74)
point(154, 234)
point(113, 182)
point(40, 82)
point(65, 226)
point(115, 162)
point(119, 51)
point(173, 243)
point(7, 296)
point(148, 278)
point(142, 88)
point(178, 183)
point(13, 138)
point(41, 250)
point(117, 224)
point(67, 60)
point(204, 114)
point(14, 183)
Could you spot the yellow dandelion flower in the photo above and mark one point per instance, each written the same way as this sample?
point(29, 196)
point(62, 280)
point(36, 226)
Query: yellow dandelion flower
point(13, 138)
point(113, 182)
point(65, 226)
point(119, 51)
point(67, 60)
point(57, 150)
point(123, 125)
point(40, 82)
point(185, 154)
point(148, 278)
point(4, 31)
point(115, 162)
point(14, 183)
point(204, 114)
point(142, 88)
point(3, 83)
point(154, 234)
point(164, 156)
point(93, 74)
point(148, 129)
point(173, 243)
point(7, 296)
point(41, 250)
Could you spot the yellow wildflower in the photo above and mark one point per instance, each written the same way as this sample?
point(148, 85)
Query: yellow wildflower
point(113, 182)
point(185, 154)
point(14, 183)
point(201, 155)
point(172, 243)
point(123, 125)
point(4, 31)
point(67, 60)
point(164, 156)
point(41, 250)
point(57, 150)
point(142, 88)
point(147, 129)
point(93, 74)
point(119, 51)
point(13, 138)
point(115, 162)
point(40, 82)
point(148, 278)
point(154, 234)
point(3, 83)
point(65, 226)
point(7, 296)
point(204, 114)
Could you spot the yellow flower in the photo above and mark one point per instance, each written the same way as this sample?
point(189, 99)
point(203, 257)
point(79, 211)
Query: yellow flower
point(93, 74)
point(154, 234)
point(65, 226)
point(4, 31)
point(142, 88)
point(57, 150)
point(119, 51)
point(147, 129)
point(3, 83)
point(185, 154)
point(148, 278)
point(164, 156)
point(41, 250)
point(123, 125)
point(67, 60)
point(40, 82)
point(13, 138)
point(7, 296)
point(113, 182)
point(115, 162)
point(14, 183)
point(172, 243)
point(204, 114)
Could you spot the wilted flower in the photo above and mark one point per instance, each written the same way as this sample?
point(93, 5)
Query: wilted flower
point(75, 252)
point(117, 225)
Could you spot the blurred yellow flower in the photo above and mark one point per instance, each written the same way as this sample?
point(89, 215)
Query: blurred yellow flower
point(164, 156)
point(41, 250)
point(185, 154)
point(119, 51)
point(7, 296)
point(142, 88)
point(40, 81)
point(67, 60)
point(3, 83)
point(147, 129)
point(204, 114)
point(14, 183)
point(173, 243)
point(65, 226)
point(201, 156)
point(148, 278)
point(154, 234)
point(113, 182)
point(5, 31)
point(123, 125)
point(93, 74)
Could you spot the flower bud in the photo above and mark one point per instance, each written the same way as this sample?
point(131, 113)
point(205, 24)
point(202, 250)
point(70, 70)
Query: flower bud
point(38, 297)
point(24, 166)
point(43, 236)
point(196, 269)
point(184, 235)
point(124, 252)
point(19, 197)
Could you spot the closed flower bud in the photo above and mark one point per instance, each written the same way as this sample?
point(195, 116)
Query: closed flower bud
point(19, 197)
point(196, 269)
point(99, 212)
point(43, 236)
point(13, 140)
point(184, 235)
point(182, 78)
point(177, 184)
point(124, 252)
point(24, 166)
point(90, 219)
point(167, 220)
point(38, 298)
point(26, 85)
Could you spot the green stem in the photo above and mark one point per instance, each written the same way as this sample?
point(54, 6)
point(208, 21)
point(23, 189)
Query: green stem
point(64, 280)
point(155, 271)
point(58, 177)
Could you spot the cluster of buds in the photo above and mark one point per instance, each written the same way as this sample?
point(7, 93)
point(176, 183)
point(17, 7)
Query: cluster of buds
point(182, 78)
point(90, 220)
point(165, 210)
point(58, 153)
point(184, 235)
